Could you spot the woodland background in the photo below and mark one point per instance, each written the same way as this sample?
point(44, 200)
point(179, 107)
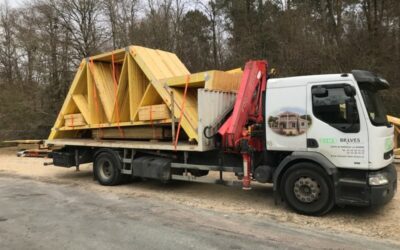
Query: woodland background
point(43, 41)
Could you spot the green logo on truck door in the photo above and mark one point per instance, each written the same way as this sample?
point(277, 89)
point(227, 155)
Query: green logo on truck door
point(327, 141)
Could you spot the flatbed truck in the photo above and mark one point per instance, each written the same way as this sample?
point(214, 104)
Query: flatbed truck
point(321, 140)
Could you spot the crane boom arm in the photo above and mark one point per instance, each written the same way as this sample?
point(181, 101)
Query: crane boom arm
point(248, 105)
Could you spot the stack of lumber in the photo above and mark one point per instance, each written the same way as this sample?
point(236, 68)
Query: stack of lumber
point(154, 112)
point(136, 87)
point(74, 120)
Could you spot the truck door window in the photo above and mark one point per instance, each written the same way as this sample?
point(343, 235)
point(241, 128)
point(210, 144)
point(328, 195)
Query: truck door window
point(336, 108)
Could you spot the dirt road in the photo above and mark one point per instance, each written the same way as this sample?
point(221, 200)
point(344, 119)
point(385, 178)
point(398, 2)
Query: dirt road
point(258, 204)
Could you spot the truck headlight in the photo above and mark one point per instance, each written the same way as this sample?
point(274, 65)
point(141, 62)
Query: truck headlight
point(377, 179)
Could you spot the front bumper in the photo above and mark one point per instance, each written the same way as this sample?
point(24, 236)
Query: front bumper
point(352, 187)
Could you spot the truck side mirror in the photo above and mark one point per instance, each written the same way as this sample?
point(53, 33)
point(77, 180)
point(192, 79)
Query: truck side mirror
point(320, 92)
point(350, 91)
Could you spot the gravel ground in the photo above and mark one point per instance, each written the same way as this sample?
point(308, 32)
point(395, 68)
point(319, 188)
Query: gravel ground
point(40, 215)
point(381, 223)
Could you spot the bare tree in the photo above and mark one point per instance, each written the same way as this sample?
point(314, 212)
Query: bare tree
point(121, 17)
point(8, 48)
point(82, 19)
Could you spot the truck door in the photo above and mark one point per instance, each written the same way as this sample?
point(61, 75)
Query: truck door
point(286, 111)
point(337, 126)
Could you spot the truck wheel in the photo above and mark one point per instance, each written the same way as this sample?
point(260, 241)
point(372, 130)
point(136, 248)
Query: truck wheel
point(106, 169)
point(307, 189)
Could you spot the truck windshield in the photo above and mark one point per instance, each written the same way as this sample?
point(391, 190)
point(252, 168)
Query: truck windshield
point(375, 107)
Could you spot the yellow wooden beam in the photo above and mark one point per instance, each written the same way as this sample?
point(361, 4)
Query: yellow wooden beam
point(154, 68)
point(122, 94)
point(115, 125)
point(97, 114)
point(172, 65)
point(150, 97)
point(222, 81)
point(188, 125)
point(196, 80)
point(393, 120)
point(105, 85)
point(119, 55)
point(83, 106)
point(64, 109)
point(137, 86)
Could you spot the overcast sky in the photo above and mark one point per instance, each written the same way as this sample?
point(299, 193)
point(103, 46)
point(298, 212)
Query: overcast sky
point(12, 3)
point(15, 3)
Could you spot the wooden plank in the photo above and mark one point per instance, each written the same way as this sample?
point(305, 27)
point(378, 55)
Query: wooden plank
point(118, 55)
point(137, 86)
point(154, 112)
point(223, 81)
point(187, 125)
point(159, 64)
point(170, 63)
point(393, 120)
point(74, 123)
point(81, 87)
point(155, 64)
point(123, 95)
point(138, 133)
point(177, 63)
point(141, 61)
point(105, 86)
point(115, 125)
point(97, 115)
point(234, 71)
point(150, 97)
point(195, 81)
point(190, 110)
point(74, 120)
point(73, 116)
point(91, 100)
point(65, 107)
point(83, 106)
point(144, 60)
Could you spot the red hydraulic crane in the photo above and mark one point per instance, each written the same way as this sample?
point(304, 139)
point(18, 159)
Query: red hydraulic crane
point(238, 133)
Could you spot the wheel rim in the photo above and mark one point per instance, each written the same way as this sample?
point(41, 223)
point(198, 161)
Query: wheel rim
point(306, 189)
point(106, 170)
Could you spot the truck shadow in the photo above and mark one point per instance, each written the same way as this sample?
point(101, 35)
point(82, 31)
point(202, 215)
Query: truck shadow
point(260, 197)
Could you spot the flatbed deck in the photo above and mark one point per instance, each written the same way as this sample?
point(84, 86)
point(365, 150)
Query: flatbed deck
point(151, 145)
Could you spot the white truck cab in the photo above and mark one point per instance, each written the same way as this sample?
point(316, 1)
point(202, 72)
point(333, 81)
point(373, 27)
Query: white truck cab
point(339, 122)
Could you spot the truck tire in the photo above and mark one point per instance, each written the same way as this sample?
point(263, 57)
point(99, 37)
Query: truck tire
point(107, 169)
point(307, 189)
